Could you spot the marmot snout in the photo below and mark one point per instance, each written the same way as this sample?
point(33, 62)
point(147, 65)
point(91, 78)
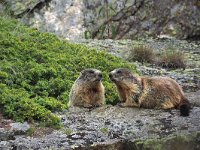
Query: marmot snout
point(87, 91)
point(149, 92)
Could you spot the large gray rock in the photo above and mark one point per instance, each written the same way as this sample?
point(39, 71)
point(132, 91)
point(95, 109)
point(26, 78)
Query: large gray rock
point(141, 18)
point(4, 145)
point(75, 19)
point(19, 128)
point(18, 7)
point(6, 135)
point(62, 17)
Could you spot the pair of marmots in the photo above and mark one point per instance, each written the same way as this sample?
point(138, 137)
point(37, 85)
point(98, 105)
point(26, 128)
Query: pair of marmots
point(134, 91)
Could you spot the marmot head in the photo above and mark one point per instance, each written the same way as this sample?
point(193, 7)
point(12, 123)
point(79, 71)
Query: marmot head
point(122, 76)
point(91, 75)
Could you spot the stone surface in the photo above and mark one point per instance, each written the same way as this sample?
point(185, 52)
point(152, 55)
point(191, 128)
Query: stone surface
point(20, 127)
point(64, 18)
point(113, 127)
point(6, 134)
point(19, 7)
point(117, 19)
point(1, 8)
point(141, 18)
point(194, 98)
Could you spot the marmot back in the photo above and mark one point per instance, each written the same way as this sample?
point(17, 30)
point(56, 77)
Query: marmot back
point(149, 92)
point(87, 91)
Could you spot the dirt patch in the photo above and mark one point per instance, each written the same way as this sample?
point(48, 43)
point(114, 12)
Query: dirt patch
point(5, 123)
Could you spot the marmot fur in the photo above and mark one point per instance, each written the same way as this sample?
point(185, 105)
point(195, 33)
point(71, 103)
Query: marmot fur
point(87, 91)
point(149, 92)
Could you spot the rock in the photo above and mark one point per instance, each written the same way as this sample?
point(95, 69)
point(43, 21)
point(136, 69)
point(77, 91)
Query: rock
point(6, 135)
point(18, 7)
point(61, 17)
point(114, 128)
point(1, 8)
point(131, 19)
point(4, 145)
point(20, 128)
point(194, 98)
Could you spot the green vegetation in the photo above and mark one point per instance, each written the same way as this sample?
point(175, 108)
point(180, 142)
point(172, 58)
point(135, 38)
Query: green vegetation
point(30, 131)
point(170, 59)
point(141, 54)
point(37, 71)
point(104, 130)
point(68, 131)
point(174, 142)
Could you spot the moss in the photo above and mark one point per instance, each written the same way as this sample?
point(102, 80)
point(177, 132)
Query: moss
point(175, 142)
point(37, 71)
point(30, 131)
point(104, 130)
point(68, 131)
point(156, 145)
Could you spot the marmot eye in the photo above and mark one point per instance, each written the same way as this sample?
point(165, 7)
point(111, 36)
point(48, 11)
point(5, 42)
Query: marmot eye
point(119, 71)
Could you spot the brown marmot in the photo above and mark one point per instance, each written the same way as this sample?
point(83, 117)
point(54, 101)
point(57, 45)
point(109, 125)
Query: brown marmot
point(149, 92)
point(87, 91)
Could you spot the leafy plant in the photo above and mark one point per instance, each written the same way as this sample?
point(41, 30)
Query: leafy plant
point(37, 71)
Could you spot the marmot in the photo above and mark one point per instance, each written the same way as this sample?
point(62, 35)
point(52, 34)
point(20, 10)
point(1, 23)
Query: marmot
point(87, 91)
point(149, 92)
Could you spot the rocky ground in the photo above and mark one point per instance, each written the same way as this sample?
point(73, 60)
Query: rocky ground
point(113, 127)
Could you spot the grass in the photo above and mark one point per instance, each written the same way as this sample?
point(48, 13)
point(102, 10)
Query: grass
point(141, 54)
point(104, 130)
point(170, 58)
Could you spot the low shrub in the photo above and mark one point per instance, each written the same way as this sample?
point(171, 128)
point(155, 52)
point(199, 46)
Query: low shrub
point(141, 54)
point(37, 71)
point(172, 59)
